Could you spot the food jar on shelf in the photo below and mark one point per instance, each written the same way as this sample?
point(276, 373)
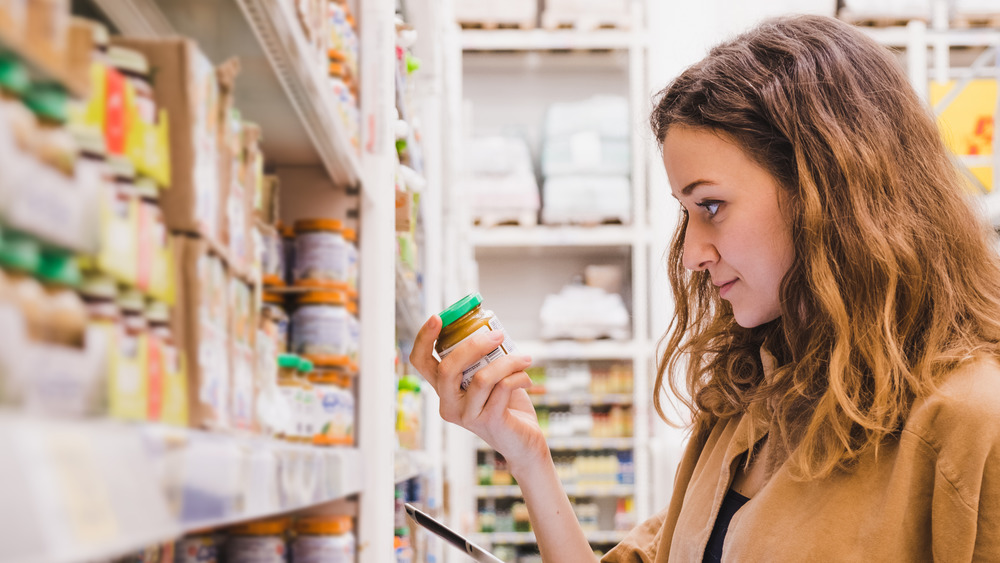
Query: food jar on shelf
point(287, 233)
point(262, 541)
point(54, 144)
point(320, 251)
point(290, 387)
point(306, 402)
point(272, 257)
point(273, 311)
point(319, 324)
point(324, 539)
point(129, 386)
point(199, 548)
point(353, 332)
point(135, 68)
point(65, 312)
point(14, 83)
point(351, 240)
point(19, 257)
point(331, 380)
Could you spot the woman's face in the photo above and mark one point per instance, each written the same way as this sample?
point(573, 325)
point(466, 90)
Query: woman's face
point(736, 229)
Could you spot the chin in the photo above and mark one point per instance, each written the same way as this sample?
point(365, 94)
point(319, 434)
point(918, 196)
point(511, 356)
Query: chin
point(753, 319)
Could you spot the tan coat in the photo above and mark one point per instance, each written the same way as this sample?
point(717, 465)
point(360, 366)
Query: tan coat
point(931, 495)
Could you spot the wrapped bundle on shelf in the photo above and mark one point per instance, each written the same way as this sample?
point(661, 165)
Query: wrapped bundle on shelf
point(584, 313)
point(500, 181)
point(585, 15)
point(586, 159)
point(520, 13)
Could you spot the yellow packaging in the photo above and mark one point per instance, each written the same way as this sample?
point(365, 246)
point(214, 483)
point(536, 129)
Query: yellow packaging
point(967, 122)
point(128, 393)
point(119, 226)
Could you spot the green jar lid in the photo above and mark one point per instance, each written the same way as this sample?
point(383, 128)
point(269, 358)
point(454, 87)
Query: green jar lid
point(305, 366)
point(288, 361)
point(13, 76)
point(48, 101)
point(20, 253)
point(463, 306)
point(60, 268)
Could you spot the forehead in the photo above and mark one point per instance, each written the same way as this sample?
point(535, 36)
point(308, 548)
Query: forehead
point(694, 157)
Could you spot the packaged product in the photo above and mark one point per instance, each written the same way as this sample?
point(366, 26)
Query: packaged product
point(273, 310)
point(185, 85)
point(65, 313)
point(290, 387)
point(324, 539)
point(270, 339)
point(353, 331)
point(465, 319)
point(22, 306)
point(128, 389)
point(205, 326)
point(119, 224)
point(306, 403)
point(351, 238)
point(202, 548)
point(262, 541)
point(273, 256)
point(138, 126)
point(319, 324)
point(46, 27)
point(243, 389)
point(288, 244)
point(408, 408)
point(171, 405)
point(331, 380)
point(320, 251)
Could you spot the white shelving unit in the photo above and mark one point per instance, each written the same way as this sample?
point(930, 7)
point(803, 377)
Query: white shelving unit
point(528, 538)
point(513, 491)
point(515, 267)
point(88, 489)
point(85, 490)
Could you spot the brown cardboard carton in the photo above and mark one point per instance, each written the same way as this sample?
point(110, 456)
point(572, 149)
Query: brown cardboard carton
point(204, 326)
point(185, 84)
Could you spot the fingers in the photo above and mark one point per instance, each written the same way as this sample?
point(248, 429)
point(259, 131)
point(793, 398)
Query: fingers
point(466, 354)
point(500, 398)
point(422, 357)
point(485, 381)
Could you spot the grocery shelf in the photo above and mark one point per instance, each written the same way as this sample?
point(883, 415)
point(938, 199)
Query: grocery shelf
point(541, 39)
point(504, 491)
point(409, 302)
point(281, 85)
point(514, 237)
point(579, 443)
point(77, 490)
point(540, 350)
point(528, 538)
point(409, 464)
point(580, 398)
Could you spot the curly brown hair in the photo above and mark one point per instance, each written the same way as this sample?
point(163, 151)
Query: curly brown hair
point(895, 280)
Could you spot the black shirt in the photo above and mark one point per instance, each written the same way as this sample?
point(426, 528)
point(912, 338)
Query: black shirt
point(733, 502)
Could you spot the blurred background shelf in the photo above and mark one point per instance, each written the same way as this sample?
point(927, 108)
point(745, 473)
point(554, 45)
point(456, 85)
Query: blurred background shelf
point(513, 237)
point(84, 490)
point(281, 87)
point(584, 399)
point(501, 491)
point(579, 443)
point(528, 538)
point(540, 39)
point(541, 350)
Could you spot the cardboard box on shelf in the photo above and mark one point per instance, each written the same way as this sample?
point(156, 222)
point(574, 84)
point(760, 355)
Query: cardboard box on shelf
point(202, 326)
point(186, 86)
point(242, 334)
point(46, 32)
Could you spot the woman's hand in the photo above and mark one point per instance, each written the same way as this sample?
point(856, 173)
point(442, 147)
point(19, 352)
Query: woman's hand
point(495, 405)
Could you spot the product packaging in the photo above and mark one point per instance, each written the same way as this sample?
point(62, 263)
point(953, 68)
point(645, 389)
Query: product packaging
point(185, 85)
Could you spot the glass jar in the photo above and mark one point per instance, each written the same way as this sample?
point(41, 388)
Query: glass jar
point(319, 324)
point(14, 83)
point(54, 144)
point(128, 382)
point(273, 310)
point(324, 539)
point(307, 403)
point(465, 319)
point(19, 258)
point(353, 332)
point(320, 251)
point(272, 257)
point(262, 541)
point(289, 386)
point(152, 229)
point(161, 359)
point(135, 68)
point(65, 312)
point(331, 379)
point(119, 249)
point(351, 241)
point(288, 252)
point(199, 548)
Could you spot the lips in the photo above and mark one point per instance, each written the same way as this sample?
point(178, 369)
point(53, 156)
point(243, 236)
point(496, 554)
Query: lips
point(725, 287)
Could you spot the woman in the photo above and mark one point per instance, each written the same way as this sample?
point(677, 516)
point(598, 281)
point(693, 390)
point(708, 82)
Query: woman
point(837, 323)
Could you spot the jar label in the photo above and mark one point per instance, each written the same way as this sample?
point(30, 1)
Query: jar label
point(256, 550)
point(320, 256)
point(506, 347)
point(324, 549)
point(319, 331)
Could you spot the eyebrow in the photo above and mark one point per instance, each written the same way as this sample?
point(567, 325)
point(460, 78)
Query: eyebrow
point(691, 187)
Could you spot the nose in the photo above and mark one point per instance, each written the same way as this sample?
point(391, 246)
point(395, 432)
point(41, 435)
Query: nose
point(699, 251)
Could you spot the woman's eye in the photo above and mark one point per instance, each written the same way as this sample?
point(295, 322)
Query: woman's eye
point(712, 207)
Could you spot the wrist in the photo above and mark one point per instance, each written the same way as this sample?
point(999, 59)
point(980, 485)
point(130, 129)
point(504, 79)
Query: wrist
point(531, 463)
